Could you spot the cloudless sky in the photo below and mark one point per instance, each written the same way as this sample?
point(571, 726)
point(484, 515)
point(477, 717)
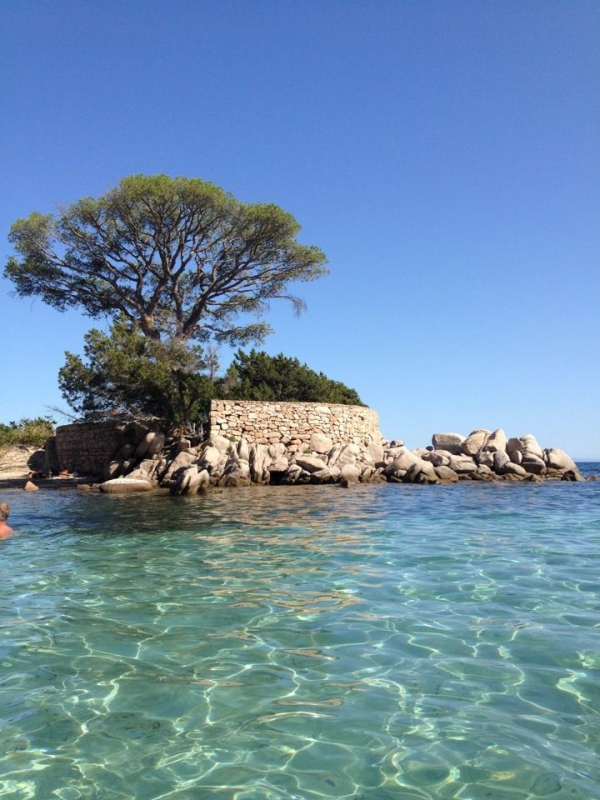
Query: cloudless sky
point(445, 154)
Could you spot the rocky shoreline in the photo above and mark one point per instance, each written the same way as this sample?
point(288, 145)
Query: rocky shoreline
point(150, 460)
point(186, 469)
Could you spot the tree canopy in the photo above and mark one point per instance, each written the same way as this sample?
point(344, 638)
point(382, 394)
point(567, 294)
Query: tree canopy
point(129, 373)
point(178, 257)
point(125, 372)
point(259, 376)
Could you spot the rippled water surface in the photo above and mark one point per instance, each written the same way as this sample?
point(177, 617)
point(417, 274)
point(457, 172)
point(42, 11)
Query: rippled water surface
point(391, 642)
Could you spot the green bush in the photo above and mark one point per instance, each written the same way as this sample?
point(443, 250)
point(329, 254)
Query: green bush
point(31, 432)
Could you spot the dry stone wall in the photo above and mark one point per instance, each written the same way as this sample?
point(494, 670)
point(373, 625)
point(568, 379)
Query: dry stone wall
point(293, 424)
point(86, 448)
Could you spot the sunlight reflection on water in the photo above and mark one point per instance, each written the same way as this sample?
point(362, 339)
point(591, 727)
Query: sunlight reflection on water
point(378, 642)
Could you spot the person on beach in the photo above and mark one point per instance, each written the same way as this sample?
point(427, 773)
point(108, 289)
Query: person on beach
point(5, 529)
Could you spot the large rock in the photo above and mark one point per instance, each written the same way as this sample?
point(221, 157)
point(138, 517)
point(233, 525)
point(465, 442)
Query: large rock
point(496, 441)
point(243, 449)
point(462, 465)
point(486, 458)
point(347, 454)
point(448, 441)
point(190, 481)
point(210, 458)
point(556, 458)
point(276, 451)
point(310, 463)
point(152, 443)
point(439, 458)
point(125, 486)
point(259, 463)
point(501, 459)
point(113, 470)
point(320, 443)
point(514, 445)
point(510, 468)
point(533, 467)
point(531, 447)
point(404, 461)
point(475, 441)
point(423, 472)
point(446, 474)
point(375, 451)
point(220, 442)
point(532, 463)
point(349, 473)
point(181, 461)
point(279, 465)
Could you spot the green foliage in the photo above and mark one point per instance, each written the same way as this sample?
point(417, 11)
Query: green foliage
point(129, 373)
point(30, 432)
point(258, 376)
point(177, 257)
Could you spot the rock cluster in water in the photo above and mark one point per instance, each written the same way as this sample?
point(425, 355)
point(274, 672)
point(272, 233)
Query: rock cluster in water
point(185, 468)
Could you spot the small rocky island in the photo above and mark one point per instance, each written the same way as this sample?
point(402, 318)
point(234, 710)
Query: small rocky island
point(258, 443)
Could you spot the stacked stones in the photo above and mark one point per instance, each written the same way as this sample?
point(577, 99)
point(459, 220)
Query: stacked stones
point(292, 423)
point(82, 447)
point(221, 461)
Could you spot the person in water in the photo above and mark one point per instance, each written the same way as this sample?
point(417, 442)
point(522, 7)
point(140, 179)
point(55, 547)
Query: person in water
point(5, 529)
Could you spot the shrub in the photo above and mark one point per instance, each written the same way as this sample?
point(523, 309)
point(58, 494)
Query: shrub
point(30, 432)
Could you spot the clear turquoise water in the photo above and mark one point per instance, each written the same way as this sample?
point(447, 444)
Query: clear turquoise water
point(391, 642)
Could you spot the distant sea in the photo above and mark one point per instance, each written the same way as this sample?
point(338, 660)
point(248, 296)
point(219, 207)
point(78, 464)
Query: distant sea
point(394, 642)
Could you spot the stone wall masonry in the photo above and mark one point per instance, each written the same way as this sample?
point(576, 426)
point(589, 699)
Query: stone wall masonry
point(86, 448)
point(293, 424)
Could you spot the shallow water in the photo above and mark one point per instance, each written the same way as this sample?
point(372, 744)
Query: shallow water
point(391, 642)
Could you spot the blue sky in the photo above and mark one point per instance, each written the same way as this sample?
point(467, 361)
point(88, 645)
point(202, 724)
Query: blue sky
point(444, 155)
